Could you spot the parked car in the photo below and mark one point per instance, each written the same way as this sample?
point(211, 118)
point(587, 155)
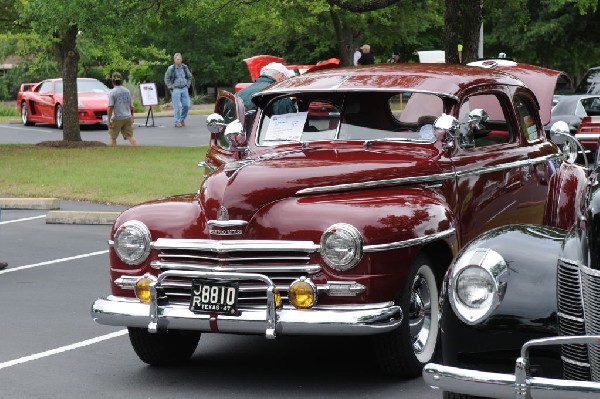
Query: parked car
point(590, 83)
point(43, 102)
point(335, 223)
point(256, 63)
point(572, 108)
point(519, 305)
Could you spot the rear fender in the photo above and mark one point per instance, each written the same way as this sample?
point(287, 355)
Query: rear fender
point(567, 185)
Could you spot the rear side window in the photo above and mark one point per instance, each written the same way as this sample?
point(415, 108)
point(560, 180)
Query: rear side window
point(527, 121)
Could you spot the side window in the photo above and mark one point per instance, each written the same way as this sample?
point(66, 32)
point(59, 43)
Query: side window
point(529, 127)
point(483, 122)
point(45, 87)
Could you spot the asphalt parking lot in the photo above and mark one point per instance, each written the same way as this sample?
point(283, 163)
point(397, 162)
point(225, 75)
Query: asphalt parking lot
point(50, 348)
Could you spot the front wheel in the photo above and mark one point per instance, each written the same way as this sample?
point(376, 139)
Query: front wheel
point(163, 348)
point(25, 114)
point(58, 117)
point(404, 351)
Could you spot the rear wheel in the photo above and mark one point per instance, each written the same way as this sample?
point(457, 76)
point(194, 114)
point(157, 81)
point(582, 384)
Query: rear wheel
point(404, 351)
point(25, 114)
point(58, 117)
point(163, 348)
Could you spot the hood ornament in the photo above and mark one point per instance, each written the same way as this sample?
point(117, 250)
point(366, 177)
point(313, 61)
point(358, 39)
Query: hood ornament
point(222, 214)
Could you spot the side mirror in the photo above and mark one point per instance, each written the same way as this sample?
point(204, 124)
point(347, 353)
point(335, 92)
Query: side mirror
point(235, 136)
point(477, 118)
point(567, 144)
point(215, 122)
point(447, 122)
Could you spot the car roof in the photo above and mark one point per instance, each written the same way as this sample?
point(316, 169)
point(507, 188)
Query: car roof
point(446, 80)
point(442, 79)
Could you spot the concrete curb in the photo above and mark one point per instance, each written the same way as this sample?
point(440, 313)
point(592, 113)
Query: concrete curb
point(29, 203)
point(81, 217)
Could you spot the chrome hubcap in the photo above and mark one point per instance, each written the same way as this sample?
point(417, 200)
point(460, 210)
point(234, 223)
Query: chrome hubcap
point(419, 314)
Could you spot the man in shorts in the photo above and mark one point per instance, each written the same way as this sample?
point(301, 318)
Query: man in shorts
point(120, 112)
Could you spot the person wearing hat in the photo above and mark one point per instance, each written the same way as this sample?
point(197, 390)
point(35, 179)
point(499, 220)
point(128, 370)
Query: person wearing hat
point(366, 58)
point(120, 112)
point(269, 74)
point(395, 58)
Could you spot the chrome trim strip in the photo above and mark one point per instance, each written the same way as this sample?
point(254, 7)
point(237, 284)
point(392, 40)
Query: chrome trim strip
point(587, 136)
point(377, 183)
point(230, 259)
point(569, 317)
point(310, 269)
point(576, 363)
point(235, 245)
point(408, 243)
point(227, 223)
point(424, 179)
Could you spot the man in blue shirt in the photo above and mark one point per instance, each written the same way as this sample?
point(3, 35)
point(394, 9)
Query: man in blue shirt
point(178, 79)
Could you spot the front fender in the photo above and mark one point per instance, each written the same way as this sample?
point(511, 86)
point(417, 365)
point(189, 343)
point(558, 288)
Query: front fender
point(528, 309)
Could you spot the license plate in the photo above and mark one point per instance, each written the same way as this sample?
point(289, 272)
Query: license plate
point(104, 118)
point(209, 296)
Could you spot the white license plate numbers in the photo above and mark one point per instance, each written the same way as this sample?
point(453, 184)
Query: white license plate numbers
point(209, 296)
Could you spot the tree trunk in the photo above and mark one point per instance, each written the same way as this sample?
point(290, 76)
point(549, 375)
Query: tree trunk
point(347, 39)
point(462, 25)
point(68, 58)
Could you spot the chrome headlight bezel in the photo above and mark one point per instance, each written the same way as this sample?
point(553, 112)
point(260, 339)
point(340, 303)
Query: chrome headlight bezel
point(335, 240)
point(482, 265)
point(132, 242)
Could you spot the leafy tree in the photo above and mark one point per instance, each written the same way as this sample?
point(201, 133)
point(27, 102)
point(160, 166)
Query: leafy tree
point(62, 22)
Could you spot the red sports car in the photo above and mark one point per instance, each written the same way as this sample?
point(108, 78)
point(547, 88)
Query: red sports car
point(43, 102)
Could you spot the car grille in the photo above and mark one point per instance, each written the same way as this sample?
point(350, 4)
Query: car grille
point(281, 261)
point(579, 314)
point(100, 114)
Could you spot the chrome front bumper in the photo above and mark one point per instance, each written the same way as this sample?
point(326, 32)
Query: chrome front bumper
point(511, 386)
point(320, 320)
point(331, 320)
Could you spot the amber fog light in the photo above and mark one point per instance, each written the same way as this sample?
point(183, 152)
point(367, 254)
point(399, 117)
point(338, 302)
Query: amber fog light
point(303, 293)
point(278, 301)
point(142, 288)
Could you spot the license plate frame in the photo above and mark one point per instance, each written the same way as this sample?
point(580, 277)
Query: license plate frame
point(212, 296)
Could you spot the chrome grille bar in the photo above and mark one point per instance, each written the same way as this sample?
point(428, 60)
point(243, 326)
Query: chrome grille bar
point(227, 246)
point(308, 269)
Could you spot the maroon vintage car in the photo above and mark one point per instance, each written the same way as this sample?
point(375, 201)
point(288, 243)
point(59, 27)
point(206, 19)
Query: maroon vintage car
point(340, 222)
point(43, 102)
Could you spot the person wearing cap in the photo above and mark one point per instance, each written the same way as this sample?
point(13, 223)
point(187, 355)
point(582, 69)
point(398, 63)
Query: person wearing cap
point(178, 79)
point(120, 112)
point(269, 74)
point(395, 58)
point(366, 58)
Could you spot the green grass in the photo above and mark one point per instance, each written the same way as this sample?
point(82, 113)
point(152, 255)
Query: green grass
point(122, 175)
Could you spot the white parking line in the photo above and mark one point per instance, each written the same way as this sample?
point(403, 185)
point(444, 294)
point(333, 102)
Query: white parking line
point(62, 349)
point(50, 262)
point(23, 219)
point(37, 130)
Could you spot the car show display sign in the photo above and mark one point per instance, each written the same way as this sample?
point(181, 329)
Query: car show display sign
point(149, 94)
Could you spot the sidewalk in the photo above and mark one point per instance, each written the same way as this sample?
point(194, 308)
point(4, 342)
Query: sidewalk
point(66, 211)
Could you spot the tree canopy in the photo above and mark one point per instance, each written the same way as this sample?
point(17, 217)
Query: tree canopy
point(73, 38)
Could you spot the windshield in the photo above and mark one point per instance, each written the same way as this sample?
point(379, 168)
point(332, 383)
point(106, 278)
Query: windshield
point(86, 86)
point(351, 116)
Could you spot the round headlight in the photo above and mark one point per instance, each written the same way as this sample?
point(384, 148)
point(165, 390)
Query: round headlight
point(477, 284)
point(132, 242)
point(474, 287)
point(341, 246)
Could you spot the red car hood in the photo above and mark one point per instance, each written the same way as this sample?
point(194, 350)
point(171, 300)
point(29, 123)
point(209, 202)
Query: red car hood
point(93, 100)
point(541, 81)
point(256, 63)
point(270, 179)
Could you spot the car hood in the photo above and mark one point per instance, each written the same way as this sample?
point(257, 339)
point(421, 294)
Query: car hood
point(245, 187)
point(93, 99)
